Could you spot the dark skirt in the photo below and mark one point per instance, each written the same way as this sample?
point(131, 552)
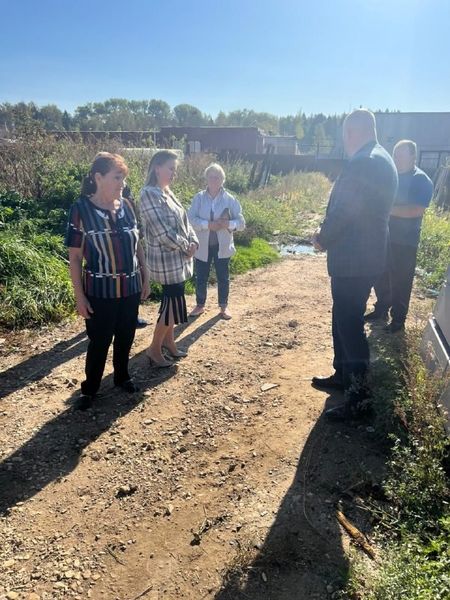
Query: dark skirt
point(173, 302)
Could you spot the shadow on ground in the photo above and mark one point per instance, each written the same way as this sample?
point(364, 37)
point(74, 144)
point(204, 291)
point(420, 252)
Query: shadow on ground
point(40, 365)
point(302, 556)
point(54, 450)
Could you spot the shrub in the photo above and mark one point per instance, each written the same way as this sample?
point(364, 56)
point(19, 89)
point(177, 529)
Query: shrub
point(35, 287)
point(238, 176)
point(415, 524)
point(433, 256)
point(291, 205)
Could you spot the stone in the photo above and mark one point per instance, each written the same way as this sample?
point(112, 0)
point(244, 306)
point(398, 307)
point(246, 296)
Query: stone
point(59, 585)
point(126, 490)
point(12, 595)
point(268, 386)
point(9, 563)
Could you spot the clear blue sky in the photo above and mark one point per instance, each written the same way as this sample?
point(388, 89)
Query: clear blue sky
point(269, 55)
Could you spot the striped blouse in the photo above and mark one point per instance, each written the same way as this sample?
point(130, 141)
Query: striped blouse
point(111, 267)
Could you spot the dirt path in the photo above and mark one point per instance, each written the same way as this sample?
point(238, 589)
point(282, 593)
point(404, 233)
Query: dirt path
point(206, 485)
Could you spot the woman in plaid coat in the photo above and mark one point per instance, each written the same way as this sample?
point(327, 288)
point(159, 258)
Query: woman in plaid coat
point(171, 243)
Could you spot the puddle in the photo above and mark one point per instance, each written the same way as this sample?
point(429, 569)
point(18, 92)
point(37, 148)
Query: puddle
point(296, 249)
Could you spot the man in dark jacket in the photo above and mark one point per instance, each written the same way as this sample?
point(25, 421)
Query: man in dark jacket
point(354, 234)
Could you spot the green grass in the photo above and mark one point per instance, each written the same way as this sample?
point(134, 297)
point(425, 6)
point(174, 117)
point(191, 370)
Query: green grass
point(35, 287)
point(292, 205)
point(258, 254)
point(433, 256)
point(413, 530)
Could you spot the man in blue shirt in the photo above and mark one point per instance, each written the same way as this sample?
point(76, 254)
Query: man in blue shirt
point(415, 191)
point(355, 233)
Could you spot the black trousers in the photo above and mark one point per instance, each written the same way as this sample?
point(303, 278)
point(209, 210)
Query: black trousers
point(351, 349)
point(112, 318)
point(393, 289)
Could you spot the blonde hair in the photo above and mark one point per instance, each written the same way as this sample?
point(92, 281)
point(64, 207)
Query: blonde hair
point(412, 146)
point(215, 168)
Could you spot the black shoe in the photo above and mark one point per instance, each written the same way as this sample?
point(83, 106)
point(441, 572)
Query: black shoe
point(376, 315)
point(84, 402)
point(325, 383)
point(128, 386)
point(348, 412)
point(394, 327)
point(141, 323)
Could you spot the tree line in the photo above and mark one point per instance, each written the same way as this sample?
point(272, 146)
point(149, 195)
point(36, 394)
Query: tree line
point(120, 114)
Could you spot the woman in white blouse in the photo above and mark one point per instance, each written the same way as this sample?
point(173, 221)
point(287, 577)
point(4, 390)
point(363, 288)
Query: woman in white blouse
point(214, 214)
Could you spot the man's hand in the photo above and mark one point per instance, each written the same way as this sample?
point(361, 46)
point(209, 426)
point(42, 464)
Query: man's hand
point(315, 241)
point(84, 309)
point(408, 211)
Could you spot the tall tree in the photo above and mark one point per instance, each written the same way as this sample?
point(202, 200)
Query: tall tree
point(159, 112)
point(188, 115)
point(51, 117)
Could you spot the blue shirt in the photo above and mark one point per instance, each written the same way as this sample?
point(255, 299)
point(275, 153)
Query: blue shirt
point(414, 187)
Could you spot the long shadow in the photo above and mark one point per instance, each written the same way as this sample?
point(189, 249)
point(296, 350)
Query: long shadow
point(196, 333)
point(302, 556)
point(40, 365)
point(54, 450)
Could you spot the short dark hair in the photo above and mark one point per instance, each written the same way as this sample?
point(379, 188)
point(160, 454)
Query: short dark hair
point(412, 146)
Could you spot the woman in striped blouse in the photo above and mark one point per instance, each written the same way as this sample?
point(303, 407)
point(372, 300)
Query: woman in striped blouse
point(108, 271)
point(170, 243)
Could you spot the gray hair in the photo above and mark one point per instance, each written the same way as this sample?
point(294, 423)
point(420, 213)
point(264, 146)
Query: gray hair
point(363, 120)
point(215, 168)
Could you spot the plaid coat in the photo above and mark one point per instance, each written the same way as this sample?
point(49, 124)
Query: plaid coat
point(168, 234)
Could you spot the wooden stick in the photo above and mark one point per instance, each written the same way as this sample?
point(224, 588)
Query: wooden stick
point(116, 558)
point(355, 534)
point(146, 591)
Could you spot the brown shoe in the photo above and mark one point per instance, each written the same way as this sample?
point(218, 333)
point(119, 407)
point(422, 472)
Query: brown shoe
point(197, 311)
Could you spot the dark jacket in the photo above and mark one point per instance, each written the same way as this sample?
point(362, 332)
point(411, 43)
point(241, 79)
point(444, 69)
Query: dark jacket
point(355, 229)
